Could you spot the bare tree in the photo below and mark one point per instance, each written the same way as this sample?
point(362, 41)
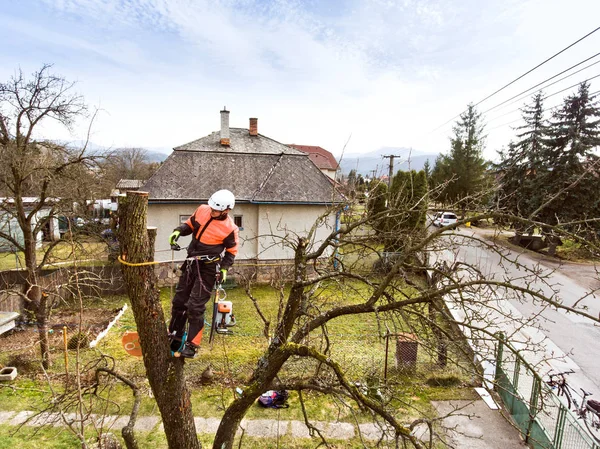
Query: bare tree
point(36, 175)
point(126, 163)
point(410, 296)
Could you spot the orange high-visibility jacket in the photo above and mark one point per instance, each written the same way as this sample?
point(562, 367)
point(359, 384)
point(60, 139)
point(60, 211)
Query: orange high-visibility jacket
point(211, 236)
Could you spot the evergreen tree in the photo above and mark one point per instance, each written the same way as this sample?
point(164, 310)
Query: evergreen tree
point(462, 171)
point(398, 213)
point(427, 169)
point(408, 203)
point(376, 206)
point(351, 183)
point(521, 166)
point(569, 185)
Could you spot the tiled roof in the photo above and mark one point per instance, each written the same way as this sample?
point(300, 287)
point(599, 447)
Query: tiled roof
point(240, 142)
point(129, 184)
point(250, 168)
point(320, 156)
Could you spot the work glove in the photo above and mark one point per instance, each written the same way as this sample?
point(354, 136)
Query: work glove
point(173, 240)
point(221, 276)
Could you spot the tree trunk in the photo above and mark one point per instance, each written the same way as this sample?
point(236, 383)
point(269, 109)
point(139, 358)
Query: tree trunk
point(37, 302)
point(264, 374)
point(271, 363)
point(442, 343)
point(165, 373)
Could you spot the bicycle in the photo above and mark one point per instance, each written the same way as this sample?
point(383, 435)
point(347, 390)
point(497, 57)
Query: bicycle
point(588, 411)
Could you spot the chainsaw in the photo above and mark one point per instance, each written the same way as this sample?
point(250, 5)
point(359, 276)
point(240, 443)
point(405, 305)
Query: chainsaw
point(223, 317)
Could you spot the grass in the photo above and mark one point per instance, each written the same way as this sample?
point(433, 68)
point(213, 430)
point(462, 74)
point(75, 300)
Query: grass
point(355, 342)
point(575, 252)
point(62, 254)
point(30, 438)
point(570, 250)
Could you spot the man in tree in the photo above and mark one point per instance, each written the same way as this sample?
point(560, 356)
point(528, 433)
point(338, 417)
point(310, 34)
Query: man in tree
point(214, 240)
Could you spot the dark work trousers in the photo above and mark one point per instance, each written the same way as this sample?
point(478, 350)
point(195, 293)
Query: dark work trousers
point(191, 295)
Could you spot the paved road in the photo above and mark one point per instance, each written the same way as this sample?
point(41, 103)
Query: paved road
point(577, 337)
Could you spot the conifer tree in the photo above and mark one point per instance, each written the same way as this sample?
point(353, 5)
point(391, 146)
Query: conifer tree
point(522, 164)
point(408, 204)
point(463, 169)
point(427, 169)
point(569, 185)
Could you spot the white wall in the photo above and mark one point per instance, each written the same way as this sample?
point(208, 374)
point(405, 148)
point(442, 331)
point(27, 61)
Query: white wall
point(264, 221)
point(166, 217)
point(280, 225)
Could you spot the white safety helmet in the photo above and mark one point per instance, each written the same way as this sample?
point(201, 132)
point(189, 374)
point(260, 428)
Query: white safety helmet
point(222, 200)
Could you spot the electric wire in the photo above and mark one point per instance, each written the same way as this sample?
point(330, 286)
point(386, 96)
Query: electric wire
point(540, 90)
point(544, 98)
point(556, 106)
point(537, 66)
point(521, 76)
point(548, 79)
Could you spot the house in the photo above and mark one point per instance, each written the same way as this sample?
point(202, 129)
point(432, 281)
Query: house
point(322, 158)
point(10, 226)
point(279, 192)
point(125, 185)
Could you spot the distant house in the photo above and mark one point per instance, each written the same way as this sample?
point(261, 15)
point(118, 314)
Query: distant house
point(279, 192)
point(10, 226)
point(322, 158)
point(129, 184)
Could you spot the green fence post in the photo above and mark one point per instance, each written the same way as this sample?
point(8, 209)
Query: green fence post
point(499, 355)
point(516, 375)
point(535, 395)
point(560, 427)
point(532, 406)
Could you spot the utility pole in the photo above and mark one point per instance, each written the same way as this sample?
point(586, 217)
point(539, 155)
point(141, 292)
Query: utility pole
point(391, 170)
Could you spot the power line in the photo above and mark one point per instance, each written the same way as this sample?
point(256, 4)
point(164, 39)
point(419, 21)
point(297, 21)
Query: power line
point(545, 97)
point(521, 76)
point(538, 66)
point(548, 79)
point(545, 110)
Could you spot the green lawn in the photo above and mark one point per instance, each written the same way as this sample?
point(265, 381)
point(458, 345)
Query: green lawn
point(63, 253)
point(356, 342)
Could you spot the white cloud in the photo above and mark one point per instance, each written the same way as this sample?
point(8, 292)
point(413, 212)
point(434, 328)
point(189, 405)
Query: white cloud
point(387, 72)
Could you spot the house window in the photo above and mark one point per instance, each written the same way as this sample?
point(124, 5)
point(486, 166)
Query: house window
point(237, 219)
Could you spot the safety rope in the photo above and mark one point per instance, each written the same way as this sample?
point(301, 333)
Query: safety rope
point(139, 264)
point(156, 262)
point(228, 372)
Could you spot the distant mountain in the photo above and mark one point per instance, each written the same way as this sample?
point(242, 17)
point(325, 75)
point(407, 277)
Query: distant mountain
point(158, 154)
point(155, 154)
point(368, 163)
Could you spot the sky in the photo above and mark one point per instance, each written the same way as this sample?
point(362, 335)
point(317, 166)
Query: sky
point(350, 76)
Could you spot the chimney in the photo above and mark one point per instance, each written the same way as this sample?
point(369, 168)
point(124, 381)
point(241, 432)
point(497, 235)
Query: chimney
point(225, 127)
point(254, 127)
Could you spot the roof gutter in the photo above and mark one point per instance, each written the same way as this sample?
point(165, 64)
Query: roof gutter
point(282, 203)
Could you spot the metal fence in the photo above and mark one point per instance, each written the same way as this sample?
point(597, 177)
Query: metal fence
point(543, 418)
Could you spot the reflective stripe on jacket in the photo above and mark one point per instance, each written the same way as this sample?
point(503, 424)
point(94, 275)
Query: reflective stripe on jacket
point(211, 236)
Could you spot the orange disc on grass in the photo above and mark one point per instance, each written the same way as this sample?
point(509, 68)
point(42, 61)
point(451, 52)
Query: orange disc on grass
point(131, 343)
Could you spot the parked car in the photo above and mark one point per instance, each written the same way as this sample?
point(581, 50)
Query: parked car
point(444, 219)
